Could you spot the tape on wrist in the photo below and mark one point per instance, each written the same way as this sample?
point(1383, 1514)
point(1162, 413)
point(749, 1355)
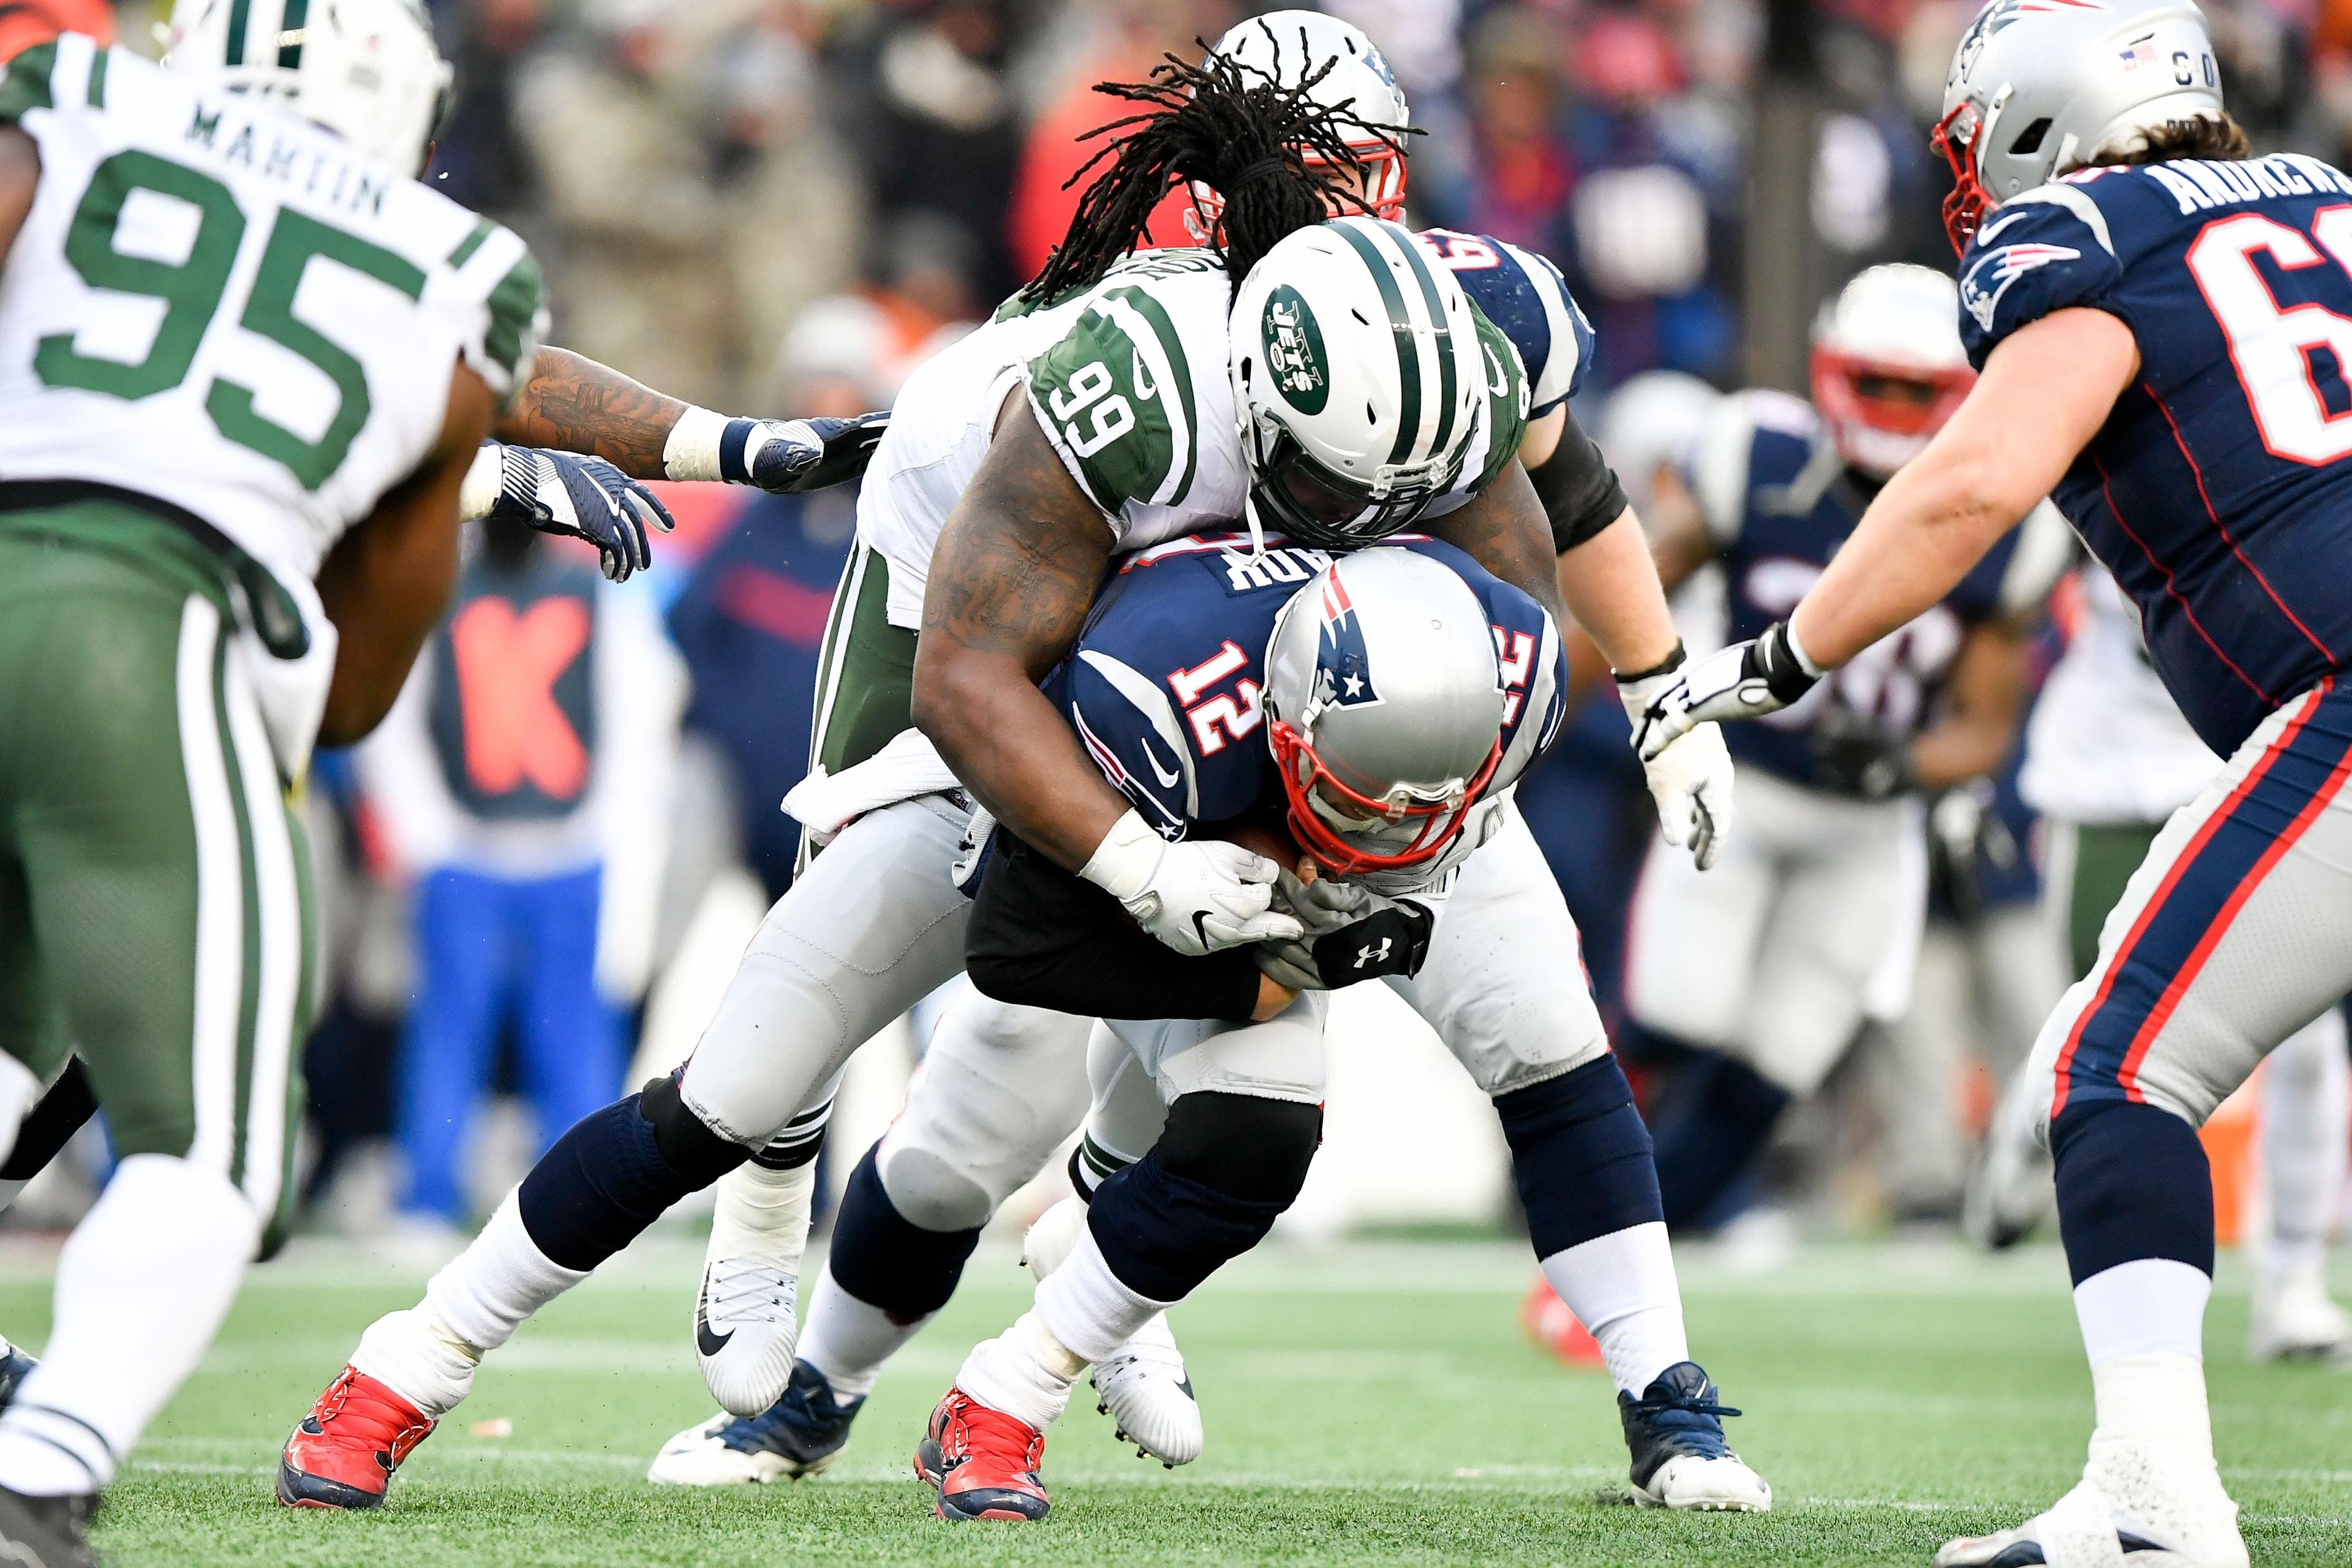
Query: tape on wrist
point(1124, 863)
point(484, 479)
point(692, 450)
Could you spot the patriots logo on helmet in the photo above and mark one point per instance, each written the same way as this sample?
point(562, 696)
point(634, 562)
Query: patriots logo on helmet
point(2000, 15)
point(1990, 276)
point(1343, 665)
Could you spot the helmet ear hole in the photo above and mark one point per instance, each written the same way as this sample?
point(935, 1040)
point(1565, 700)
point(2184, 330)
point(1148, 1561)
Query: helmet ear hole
point(2029, 141)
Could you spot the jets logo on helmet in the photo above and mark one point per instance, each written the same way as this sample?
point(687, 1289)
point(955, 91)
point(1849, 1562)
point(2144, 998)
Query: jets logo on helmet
point(1404, 377)
point(1293, 351)
point(1343, 665)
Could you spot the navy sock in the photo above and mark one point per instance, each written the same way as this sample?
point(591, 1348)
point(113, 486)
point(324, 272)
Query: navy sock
point(615, 1172)
point(1714, 1135)
point(1224, 1169)
point(886, 1260)
point(2133, 1183)
point(1581, 1156)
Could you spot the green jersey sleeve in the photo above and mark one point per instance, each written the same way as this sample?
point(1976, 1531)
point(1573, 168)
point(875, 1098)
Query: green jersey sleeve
point(1506, 397)
point(494, 267)
point(1115, 396)
point(27, 84)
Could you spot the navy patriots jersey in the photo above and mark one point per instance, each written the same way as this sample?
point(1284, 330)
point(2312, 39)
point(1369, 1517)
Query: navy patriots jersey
point(2218, 492)
point(1165, 685)
point(1779, 502)
point(1528, 300)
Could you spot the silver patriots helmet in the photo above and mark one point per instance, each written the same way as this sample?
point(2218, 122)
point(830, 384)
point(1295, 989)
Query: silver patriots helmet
point(1384, 710)
point(2038, 87)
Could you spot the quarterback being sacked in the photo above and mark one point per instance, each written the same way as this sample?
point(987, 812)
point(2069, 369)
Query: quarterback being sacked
point(1815, 915)
point(1216, 686)
point(246, 360)
point(2162, 324)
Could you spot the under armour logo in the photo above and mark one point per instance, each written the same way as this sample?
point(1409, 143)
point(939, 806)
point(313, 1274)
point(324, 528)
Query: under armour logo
point(1371, 954)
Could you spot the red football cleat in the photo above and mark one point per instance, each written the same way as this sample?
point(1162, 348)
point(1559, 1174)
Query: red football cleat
point(984, 1462)
point(1550, 1324)
point(343, 1453)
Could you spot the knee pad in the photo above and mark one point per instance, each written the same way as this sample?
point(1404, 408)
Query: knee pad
point(926, 1190)
point(2133, 1183)
point(1247, 1148)
point(884, 1260)
point(1581, 1156)
point(615, 1171)
point(1222, 1174)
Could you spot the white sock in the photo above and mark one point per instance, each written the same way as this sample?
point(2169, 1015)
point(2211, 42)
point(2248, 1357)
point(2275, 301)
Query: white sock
point(142, 1287)
point(1621, 1288)
point(2151, 1306)
point(2304, 1146)
point(484, 1293)
point(1024, 1372)
point(419, 1357)
point(2154, 1401)
point(848, 1340)
point(763, 1215)
point(1084, 1307)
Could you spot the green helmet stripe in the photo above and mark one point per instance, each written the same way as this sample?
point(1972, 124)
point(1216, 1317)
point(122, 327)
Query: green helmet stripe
point(298, 14)
point(240, 14)
point(1419, 265)
point(1400, 329)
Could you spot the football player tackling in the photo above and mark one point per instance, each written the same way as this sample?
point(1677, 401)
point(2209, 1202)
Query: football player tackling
point(2163, 324)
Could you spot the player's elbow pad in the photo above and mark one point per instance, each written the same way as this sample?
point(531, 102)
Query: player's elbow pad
point(1579, 490)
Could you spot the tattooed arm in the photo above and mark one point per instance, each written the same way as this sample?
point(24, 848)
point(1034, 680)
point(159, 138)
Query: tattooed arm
point(1012, 579)
point(574, 404)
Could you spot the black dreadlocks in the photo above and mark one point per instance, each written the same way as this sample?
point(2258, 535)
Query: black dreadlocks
point(1236, 129)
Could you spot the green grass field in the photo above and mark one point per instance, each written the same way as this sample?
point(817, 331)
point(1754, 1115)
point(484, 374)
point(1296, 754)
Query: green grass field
point(1372, 1402)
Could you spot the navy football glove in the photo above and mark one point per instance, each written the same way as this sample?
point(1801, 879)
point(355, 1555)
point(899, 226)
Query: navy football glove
point(785, 456)
point(580, 497)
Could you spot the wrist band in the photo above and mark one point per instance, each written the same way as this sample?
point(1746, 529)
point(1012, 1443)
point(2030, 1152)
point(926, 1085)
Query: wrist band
point(485, 479)
point(692, 450)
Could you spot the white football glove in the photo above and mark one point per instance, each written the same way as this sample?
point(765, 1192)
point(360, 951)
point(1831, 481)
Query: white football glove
point(1197, 896)
point(1689, 771)
point(1746, 681)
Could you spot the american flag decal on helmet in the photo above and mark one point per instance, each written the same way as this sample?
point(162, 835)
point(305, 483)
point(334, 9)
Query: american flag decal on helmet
point(1343, 665)
point(1990, 276)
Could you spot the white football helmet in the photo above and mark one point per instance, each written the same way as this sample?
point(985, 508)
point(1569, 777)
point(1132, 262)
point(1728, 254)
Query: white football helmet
point(2038, 87)
point(1384, 710)
point(1888, 367)
point(1291, 46)
point(1359, 382)
point(366, 70)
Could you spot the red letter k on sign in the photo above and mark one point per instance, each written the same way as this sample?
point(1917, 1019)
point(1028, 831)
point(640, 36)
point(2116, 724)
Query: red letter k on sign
point(508, 666)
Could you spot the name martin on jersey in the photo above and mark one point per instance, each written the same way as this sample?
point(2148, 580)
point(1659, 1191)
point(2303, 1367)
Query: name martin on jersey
point(360, 185)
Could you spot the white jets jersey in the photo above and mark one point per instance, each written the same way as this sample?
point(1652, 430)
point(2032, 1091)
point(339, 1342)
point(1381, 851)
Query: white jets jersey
point(232, 311)
point(2107, 745)
point(1131, 382)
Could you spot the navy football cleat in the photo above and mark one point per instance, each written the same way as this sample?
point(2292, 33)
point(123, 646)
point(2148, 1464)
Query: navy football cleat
point(1675, 1433)
point(16, 1366)
point(798, 1436)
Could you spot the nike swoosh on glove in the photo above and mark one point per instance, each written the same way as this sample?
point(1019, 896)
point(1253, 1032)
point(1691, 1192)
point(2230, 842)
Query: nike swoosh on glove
point(785, 456)
point(580, 497)
point(1689, 772)
point(1197, 896)
point(1746, 681)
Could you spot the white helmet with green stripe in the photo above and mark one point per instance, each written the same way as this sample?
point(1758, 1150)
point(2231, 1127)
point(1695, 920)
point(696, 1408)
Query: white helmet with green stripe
point(1360, 381)
point(366, 70)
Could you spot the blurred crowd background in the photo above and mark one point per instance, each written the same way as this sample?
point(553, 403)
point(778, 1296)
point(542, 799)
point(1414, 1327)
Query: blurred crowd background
point(545, 866)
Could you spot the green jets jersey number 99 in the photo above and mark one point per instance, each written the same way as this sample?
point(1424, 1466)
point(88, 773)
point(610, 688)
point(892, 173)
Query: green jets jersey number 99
point(221, 305)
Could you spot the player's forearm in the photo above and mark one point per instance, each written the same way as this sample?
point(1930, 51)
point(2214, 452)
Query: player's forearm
point(1013, 751)
point(574, 404)
point(1986, 694)
point(1609, 584)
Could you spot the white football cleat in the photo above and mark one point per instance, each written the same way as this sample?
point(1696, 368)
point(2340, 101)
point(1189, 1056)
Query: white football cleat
point(700, 1457)
point(744, 1333)
point(2135, 1507)
point(2009, 1189)
point(1705, 1486)
point(2295, 1319)
point(1142, 1386)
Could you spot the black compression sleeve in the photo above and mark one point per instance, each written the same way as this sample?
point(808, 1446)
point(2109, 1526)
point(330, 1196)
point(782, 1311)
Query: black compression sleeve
point(1042, 937)
point(1579, 490)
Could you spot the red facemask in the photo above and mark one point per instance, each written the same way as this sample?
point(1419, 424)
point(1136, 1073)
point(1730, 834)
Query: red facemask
point(1384, 170)
point(1877, 429)
point(1965, 209)
point(1303, 774)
